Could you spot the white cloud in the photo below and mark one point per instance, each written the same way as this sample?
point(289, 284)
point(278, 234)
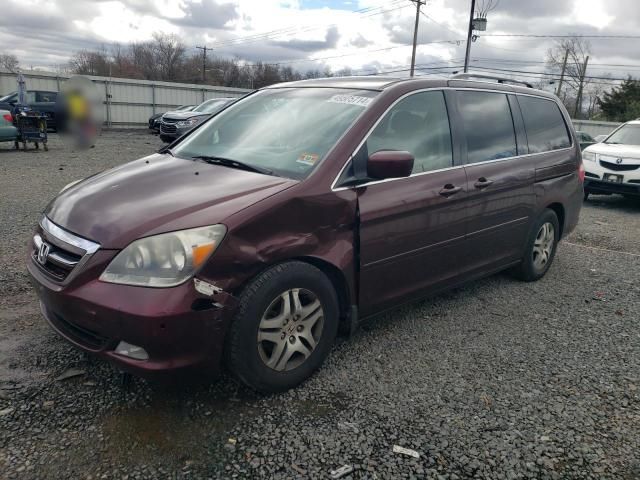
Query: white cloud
point(282, 30)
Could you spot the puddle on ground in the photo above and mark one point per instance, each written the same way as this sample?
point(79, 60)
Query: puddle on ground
point(15, 342)
point(176, 428)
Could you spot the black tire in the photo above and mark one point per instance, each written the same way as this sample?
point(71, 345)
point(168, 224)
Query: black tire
point(241, 349)
point(586, 195)
point(528, 270)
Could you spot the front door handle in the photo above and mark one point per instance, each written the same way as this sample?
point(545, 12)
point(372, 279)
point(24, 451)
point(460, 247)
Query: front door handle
point(449, 190)
point(482, 183)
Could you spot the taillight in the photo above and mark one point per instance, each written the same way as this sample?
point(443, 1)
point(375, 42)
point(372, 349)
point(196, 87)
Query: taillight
point(581, 172)
point(8, 117)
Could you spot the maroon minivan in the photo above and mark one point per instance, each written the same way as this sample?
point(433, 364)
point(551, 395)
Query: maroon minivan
point(301, 210)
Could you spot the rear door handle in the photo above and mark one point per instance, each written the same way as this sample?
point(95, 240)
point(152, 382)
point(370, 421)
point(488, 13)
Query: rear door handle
point(482, 183)
point(449, 190)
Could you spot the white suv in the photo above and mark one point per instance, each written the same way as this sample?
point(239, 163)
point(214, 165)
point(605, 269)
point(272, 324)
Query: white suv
point(613, 166)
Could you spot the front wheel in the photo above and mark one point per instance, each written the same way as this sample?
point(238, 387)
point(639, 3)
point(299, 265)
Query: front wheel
point(284, 328)
point(541, 248)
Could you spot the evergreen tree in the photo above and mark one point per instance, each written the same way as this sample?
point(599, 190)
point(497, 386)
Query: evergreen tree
point(622, 104)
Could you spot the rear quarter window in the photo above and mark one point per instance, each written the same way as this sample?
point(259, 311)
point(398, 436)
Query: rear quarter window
point(544, 124)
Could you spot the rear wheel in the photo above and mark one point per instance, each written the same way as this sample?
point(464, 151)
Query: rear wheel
point(286, 323)
point(541, 248)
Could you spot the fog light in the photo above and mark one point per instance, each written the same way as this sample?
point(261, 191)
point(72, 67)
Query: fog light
point(132, 351)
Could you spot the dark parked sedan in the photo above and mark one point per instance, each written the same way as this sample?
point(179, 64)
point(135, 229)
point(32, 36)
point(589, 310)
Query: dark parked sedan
point(154, 120)
point(300, 210)
point(38, 100)
point(176, 124)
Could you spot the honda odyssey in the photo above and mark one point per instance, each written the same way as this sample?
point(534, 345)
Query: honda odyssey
point(299, 211)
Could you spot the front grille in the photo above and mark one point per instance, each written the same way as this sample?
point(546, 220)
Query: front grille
point(78, 333)
point(58, 263)
point(60, 253)
point(164, 128)
point(618, 167)
point(170, 120)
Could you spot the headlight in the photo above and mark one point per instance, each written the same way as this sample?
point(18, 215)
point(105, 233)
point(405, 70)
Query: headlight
point(188, 123)
point(69, 185)
point(589, 156)
point(164, 260)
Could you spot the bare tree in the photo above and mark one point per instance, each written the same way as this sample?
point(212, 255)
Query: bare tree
point(169, 55)
point(86, 62)
point(593, 92)
point(576, 51)
point(10, 62)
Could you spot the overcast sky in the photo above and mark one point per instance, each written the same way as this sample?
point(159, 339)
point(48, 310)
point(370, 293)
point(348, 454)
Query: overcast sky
point(365, 35)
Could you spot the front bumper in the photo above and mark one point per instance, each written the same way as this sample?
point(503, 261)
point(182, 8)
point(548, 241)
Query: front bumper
point(594, 185)
point(175, 132)
point(180, 328)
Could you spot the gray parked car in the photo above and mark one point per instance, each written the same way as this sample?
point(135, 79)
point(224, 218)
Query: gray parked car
point(176, 124)
point(154, 120)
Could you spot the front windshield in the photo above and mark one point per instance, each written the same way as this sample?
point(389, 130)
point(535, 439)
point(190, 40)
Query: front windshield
point(208, 106)
point(626, 135)
point(286, 130)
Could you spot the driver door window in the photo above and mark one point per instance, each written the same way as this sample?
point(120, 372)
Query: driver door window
point(418, 124)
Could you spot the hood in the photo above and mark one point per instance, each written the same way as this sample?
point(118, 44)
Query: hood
point(615, 150)
point(157, 194)
point(184, 115)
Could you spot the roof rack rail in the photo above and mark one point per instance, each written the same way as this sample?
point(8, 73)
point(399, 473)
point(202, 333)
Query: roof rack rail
point(465, 76)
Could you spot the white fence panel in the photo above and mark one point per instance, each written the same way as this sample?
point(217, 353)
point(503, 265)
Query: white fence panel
point(131, 101)
point(595, 128)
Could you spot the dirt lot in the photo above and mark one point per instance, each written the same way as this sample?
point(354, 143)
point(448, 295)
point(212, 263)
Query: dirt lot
point(499, 379)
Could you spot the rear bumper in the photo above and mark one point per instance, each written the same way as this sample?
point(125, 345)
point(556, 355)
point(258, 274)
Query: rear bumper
point(178, 327)
point(599, 186)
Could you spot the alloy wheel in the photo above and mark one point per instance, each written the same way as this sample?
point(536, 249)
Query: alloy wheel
point(290, 329)
point(543, 245)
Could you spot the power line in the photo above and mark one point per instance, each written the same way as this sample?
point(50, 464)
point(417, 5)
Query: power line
point(395, 4)
point(438, 23)
point(554, 74)
point(560, 36)
point(550, 76)
point(288, 62)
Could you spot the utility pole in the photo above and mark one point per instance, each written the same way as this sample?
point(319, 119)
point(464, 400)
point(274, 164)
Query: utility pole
point(419, 4)
point(204, 62)
point(469, 36)
point(564, 68)
point(579, 99)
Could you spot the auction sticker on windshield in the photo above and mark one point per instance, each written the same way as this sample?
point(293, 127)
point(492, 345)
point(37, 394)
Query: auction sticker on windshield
point(308, 159)
point(351, 100)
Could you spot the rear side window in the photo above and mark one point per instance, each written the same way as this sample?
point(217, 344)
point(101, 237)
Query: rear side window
point(544, 124)
point(488, 126)
point(46, 96)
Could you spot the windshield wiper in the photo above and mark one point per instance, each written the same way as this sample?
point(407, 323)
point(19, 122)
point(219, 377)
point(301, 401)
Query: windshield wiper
point(227, 162)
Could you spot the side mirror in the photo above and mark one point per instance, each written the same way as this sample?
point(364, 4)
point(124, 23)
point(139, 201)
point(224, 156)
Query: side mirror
point(390, 164)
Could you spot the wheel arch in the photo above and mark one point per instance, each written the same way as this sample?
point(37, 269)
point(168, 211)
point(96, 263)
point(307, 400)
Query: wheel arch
point(559, 210)
point(339, 282)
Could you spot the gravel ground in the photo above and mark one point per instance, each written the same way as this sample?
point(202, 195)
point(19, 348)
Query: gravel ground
point(499, 379)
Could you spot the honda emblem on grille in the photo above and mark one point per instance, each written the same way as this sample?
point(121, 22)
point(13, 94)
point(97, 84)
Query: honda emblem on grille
point(618, 161)
point(43, 253)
